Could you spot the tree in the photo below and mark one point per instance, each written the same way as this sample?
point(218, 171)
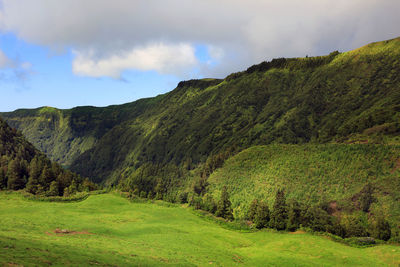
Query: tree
point(88, 185)
point(294, 216)
point(66, 192)
point(53, 190)
point(159, 189)
point(40, 190)
point(183, 197)
point(224, 208)
point(32, 184)
point(200, 185)
point(353, 226)
point(381, 228)
point(279, 213)
point(367, 198)
point(72, 188)
point(252, 210)
point(35, 168)
point(46, 177)
point(262, 215)
point(3, 178)
point(318, 219)
point(14, 174)
point(208, 203)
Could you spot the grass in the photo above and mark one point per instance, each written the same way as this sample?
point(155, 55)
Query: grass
point(114, 231)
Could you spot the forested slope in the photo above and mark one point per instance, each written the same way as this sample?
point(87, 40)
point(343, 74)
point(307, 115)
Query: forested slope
point(330, 174)
point(343, 97)
point(23, 166)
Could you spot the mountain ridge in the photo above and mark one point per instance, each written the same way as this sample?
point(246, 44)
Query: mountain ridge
point(332, 98)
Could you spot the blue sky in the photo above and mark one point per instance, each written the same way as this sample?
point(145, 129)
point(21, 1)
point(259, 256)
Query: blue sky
point(49, 81)
point(90, 52)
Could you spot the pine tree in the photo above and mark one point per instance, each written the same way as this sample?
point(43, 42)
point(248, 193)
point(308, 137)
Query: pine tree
point(46, 177)
point(294, 216)
point(32, 184)
point(14, 174)
point(262, 216)
point(35, 168)
point(208, 203)
point(279, 213)
point(3, 178)
point(224, 208)
point(53, 190)
point(159, 189)
point(252, 210)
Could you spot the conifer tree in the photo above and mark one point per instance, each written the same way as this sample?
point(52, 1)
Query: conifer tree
point(279, 213)
point(35, 168)
point(45, 177)
point(32, 185)
point(252, 210)
point(224, 208)
point(15, 179)
point(294, 216)
point(262, 216)
point(3, 178)
point(53, 190)
point(159, 190)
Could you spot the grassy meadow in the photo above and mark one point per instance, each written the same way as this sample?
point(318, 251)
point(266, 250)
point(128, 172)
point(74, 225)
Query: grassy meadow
point(109, 230)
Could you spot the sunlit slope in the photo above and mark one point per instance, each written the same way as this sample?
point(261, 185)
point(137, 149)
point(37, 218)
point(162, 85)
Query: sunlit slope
point(109, 230)
point(313, 174)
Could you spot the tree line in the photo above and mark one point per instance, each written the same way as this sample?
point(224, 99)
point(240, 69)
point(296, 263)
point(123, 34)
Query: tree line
point(24, 167)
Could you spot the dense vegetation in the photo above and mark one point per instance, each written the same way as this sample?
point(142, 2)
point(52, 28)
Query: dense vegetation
point(107, 230)
point(173, 146)
point(347, 190)
point(342, 97)
point(22, 166)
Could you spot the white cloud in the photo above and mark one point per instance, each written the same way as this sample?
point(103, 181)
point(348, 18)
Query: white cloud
point(239, 33)
point(165, 59)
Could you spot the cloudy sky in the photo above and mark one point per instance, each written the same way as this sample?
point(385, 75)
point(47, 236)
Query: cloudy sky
point(101, 52)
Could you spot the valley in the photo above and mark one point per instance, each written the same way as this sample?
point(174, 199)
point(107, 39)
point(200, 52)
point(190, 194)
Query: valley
point(110, 231)
point(211, 170)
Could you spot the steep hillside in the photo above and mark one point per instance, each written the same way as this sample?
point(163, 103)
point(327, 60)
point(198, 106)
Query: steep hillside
point(65, 134)
point(342, 97)
point(23, 166)
point(313, 174)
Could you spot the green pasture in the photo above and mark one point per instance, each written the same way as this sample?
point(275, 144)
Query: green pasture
point(111, 231)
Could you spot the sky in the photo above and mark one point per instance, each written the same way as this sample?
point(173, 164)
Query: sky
point(98, 52)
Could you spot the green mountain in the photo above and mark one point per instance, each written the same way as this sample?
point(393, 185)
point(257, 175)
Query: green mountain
point(22, 166)
point(343, 97)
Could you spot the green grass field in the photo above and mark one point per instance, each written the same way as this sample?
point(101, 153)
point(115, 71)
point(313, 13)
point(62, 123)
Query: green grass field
point(110, 230)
